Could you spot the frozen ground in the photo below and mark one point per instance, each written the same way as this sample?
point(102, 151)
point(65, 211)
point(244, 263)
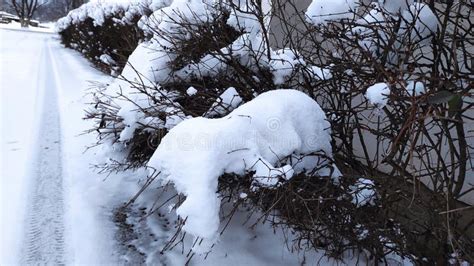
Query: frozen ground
point(55, 209)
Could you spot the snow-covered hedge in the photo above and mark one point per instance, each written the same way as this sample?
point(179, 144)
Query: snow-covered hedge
point(191, 84)
point(106, 32)
point(199, 62)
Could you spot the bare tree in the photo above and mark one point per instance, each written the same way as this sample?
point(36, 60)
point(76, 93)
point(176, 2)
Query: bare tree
point(25, 9)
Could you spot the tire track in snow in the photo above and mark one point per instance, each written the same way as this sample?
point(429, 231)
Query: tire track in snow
point(44, 225)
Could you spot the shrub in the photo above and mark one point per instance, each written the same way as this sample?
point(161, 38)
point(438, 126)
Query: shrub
point(105, 33)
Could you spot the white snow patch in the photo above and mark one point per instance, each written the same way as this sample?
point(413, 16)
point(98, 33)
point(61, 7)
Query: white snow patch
point(227, 101)
point(191, 91)
point(107, 59)
point(323, 11)
point(364, 192)
point(377, 94)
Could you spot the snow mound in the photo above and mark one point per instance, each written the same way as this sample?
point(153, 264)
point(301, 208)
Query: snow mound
point(322, 11)
point(254, 137)
point(377, 94)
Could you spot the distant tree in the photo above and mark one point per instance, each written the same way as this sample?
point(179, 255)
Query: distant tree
point(52, 10)
point(25, 9)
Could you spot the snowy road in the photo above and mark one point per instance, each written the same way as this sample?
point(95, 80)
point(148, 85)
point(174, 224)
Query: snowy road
point(50, 211)
point(44, 226)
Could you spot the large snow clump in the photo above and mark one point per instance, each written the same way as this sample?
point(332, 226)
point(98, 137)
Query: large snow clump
point(255, 137)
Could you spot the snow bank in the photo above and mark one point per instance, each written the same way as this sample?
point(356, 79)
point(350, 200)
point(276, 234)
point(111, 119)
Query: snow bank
point(322, 11)
point(254, 137)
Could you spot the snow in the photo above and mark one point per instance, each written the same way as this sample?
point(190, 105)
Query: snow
point(45, 28)
point(191, 91)
point(251, 51)
point(415, 88)
point(138, 67)
point(257, 136)
point(107, 59)
point(18, 74)
point(395, 7)
point(321, 73)
point(253, 137)
point(377, 94)
point(90, 230)
point(283, 62)
point(417, 24)
point(426, 22)
point(149, 65)
point(322, 11)
point(364, 192)
point(98, 11)
point(39, 68)
point(225, 103)
point(242, 16)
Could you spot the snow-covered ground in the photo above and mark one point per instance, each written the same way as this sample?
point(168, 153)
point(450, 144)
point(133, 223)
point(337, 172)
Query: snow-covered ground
point(46, 182)
point(54, 207)
point(46, 28)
